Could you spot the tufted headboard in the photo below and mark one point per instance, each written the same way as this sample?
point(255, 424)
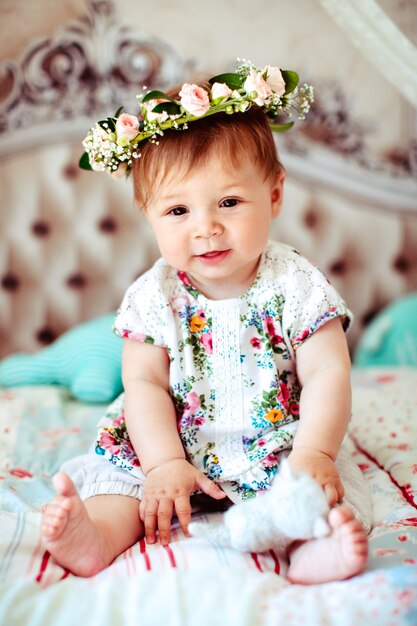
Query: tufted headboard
point(71, 242)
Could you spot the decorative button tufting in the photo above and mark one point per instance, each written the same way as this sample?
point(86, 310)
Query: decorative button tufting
point(70, 171)
point(310, 218)
point(369, 316)
point(46, 335)
point(77, 281)
point(10, 282)
point(41, 228)
point(108, 225)
point(401, 264)
point(338, 268)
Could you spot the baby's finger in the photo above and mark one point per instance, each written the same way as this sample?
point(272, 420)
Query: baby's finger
point(142, 508)
point(331, 494)
point(149, 519)
point(165, 509)
point(183, 511)
point(340, 491)
point(210, 488)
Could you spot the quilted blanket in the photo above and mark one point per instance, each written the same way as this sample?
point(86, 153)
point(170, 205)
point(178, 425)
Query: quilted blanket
point(192, 581)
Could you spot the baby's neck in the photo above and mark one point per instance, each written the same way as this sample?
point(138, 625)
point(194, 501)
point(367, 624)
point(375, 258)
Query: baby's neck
point(224, 291)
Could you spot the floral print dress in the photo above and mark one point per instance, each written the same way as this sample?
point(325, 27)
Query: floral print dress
point(232, 365)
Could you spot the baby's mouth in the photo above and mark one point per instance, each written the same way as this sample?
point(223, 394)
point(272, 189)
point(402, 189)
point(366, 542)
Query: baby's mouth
point(213, 257)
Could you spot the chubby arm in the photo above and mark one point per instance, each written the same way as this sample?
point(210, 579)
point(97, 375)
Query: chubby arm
point(323, 369)
point(152, 426)
point(149, 410)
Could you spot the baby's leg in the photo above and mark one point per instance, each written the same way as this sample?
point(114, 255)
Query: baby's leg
point(340, 555)
point(86, 536)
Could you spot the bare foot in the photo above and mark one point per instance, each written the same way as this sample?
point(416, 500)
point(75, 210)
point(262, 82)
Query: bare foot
point(69, 534)
point(340, 555)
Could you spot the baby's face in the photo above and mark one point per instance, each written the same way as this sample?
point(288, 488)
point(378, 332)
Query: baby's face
point(214, 223)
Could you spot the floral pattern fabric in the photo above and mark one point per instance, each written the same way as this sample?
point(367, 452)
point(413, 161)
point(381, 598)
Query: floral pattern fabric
point(232, 364)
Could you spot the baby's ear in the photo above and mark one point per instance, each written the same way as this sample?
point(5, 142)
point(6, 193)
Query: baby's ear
point(277, 193)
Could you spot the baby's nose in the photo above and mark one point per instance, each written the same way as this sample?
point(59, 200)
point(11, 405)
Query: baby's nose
point(208, 227)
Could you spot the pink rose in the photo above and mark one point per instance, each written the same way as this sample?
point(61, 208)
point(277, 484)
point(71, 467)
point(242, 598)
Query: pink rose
point(220, 92)
point(207, 341)
point(302, 337)
point(269, 461)
point(294, 408)
point(255, 83)
point(193, 401)
point(199, 421)
point(269, 326)
point(283, 394)
point(194, 99)
point(255, 343)
point(184, 279)
point(118, 421)
point(132, 335)
point(127, 126)
point(108, 442)
point(274, 79)
point(180, 304)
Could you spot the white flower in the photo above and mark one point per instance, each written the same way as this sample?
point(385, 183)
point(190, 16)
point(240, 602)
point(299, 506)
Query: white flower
point(120, 172)
point(97, 166)
point(274, 79)
point(255, 84)
point(220, 92)
point(154, 117)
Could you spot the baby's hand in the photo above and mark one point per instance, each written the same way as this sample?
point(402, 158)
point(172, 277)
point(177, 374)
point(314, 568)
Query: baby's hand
point(322, 468)
point(168, 488)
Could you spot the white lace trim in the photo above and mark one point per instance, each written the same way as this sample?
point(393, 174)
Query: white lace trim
point(227, 378)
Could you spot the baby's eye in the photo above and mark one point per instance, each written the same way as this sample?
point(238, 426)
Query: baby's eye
point(229, 202)
point(178, 211)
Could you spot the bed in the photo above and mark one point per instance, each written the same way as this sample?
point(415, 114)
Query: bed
point(66, 257)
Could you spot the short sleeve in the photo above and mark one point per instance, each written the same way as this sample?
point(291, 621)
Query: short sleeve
point(310, 302)
point(144, 312)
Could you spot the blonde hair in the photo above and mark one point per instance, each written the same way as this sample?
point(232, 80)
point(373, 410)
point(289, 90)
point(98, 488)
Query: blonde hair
point(230, 137)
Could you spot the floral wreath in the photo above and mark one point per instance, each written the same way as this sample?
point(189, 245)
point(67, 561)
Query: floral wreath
point(112, 144)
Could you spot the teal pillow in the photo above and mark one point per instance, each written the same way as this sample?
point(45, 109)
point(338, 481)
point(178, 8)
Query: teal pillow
point(391, 337)
point(86, 360)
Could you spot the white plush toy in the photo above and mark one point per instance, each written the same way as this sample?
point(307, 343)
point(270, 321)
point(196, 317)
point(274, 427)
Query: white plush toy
point(295, 507)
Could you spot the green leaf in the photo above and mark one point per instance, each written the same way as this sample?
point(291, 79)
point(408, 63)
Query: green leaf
point(233, 81)
point(171, 108)
point(155, 95)
point(291, 80)
point(119, 110)
point(112, 124)
point(281, 128)
point(84, 162)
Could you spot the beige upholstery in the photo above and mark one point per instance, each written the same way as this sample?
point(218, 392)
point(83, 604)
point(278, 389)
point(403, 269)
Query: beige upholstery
point(72, 241)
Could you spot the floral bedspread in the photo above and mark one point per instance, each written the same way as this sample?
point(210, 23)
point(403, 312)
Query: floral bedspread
point(192, 581)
